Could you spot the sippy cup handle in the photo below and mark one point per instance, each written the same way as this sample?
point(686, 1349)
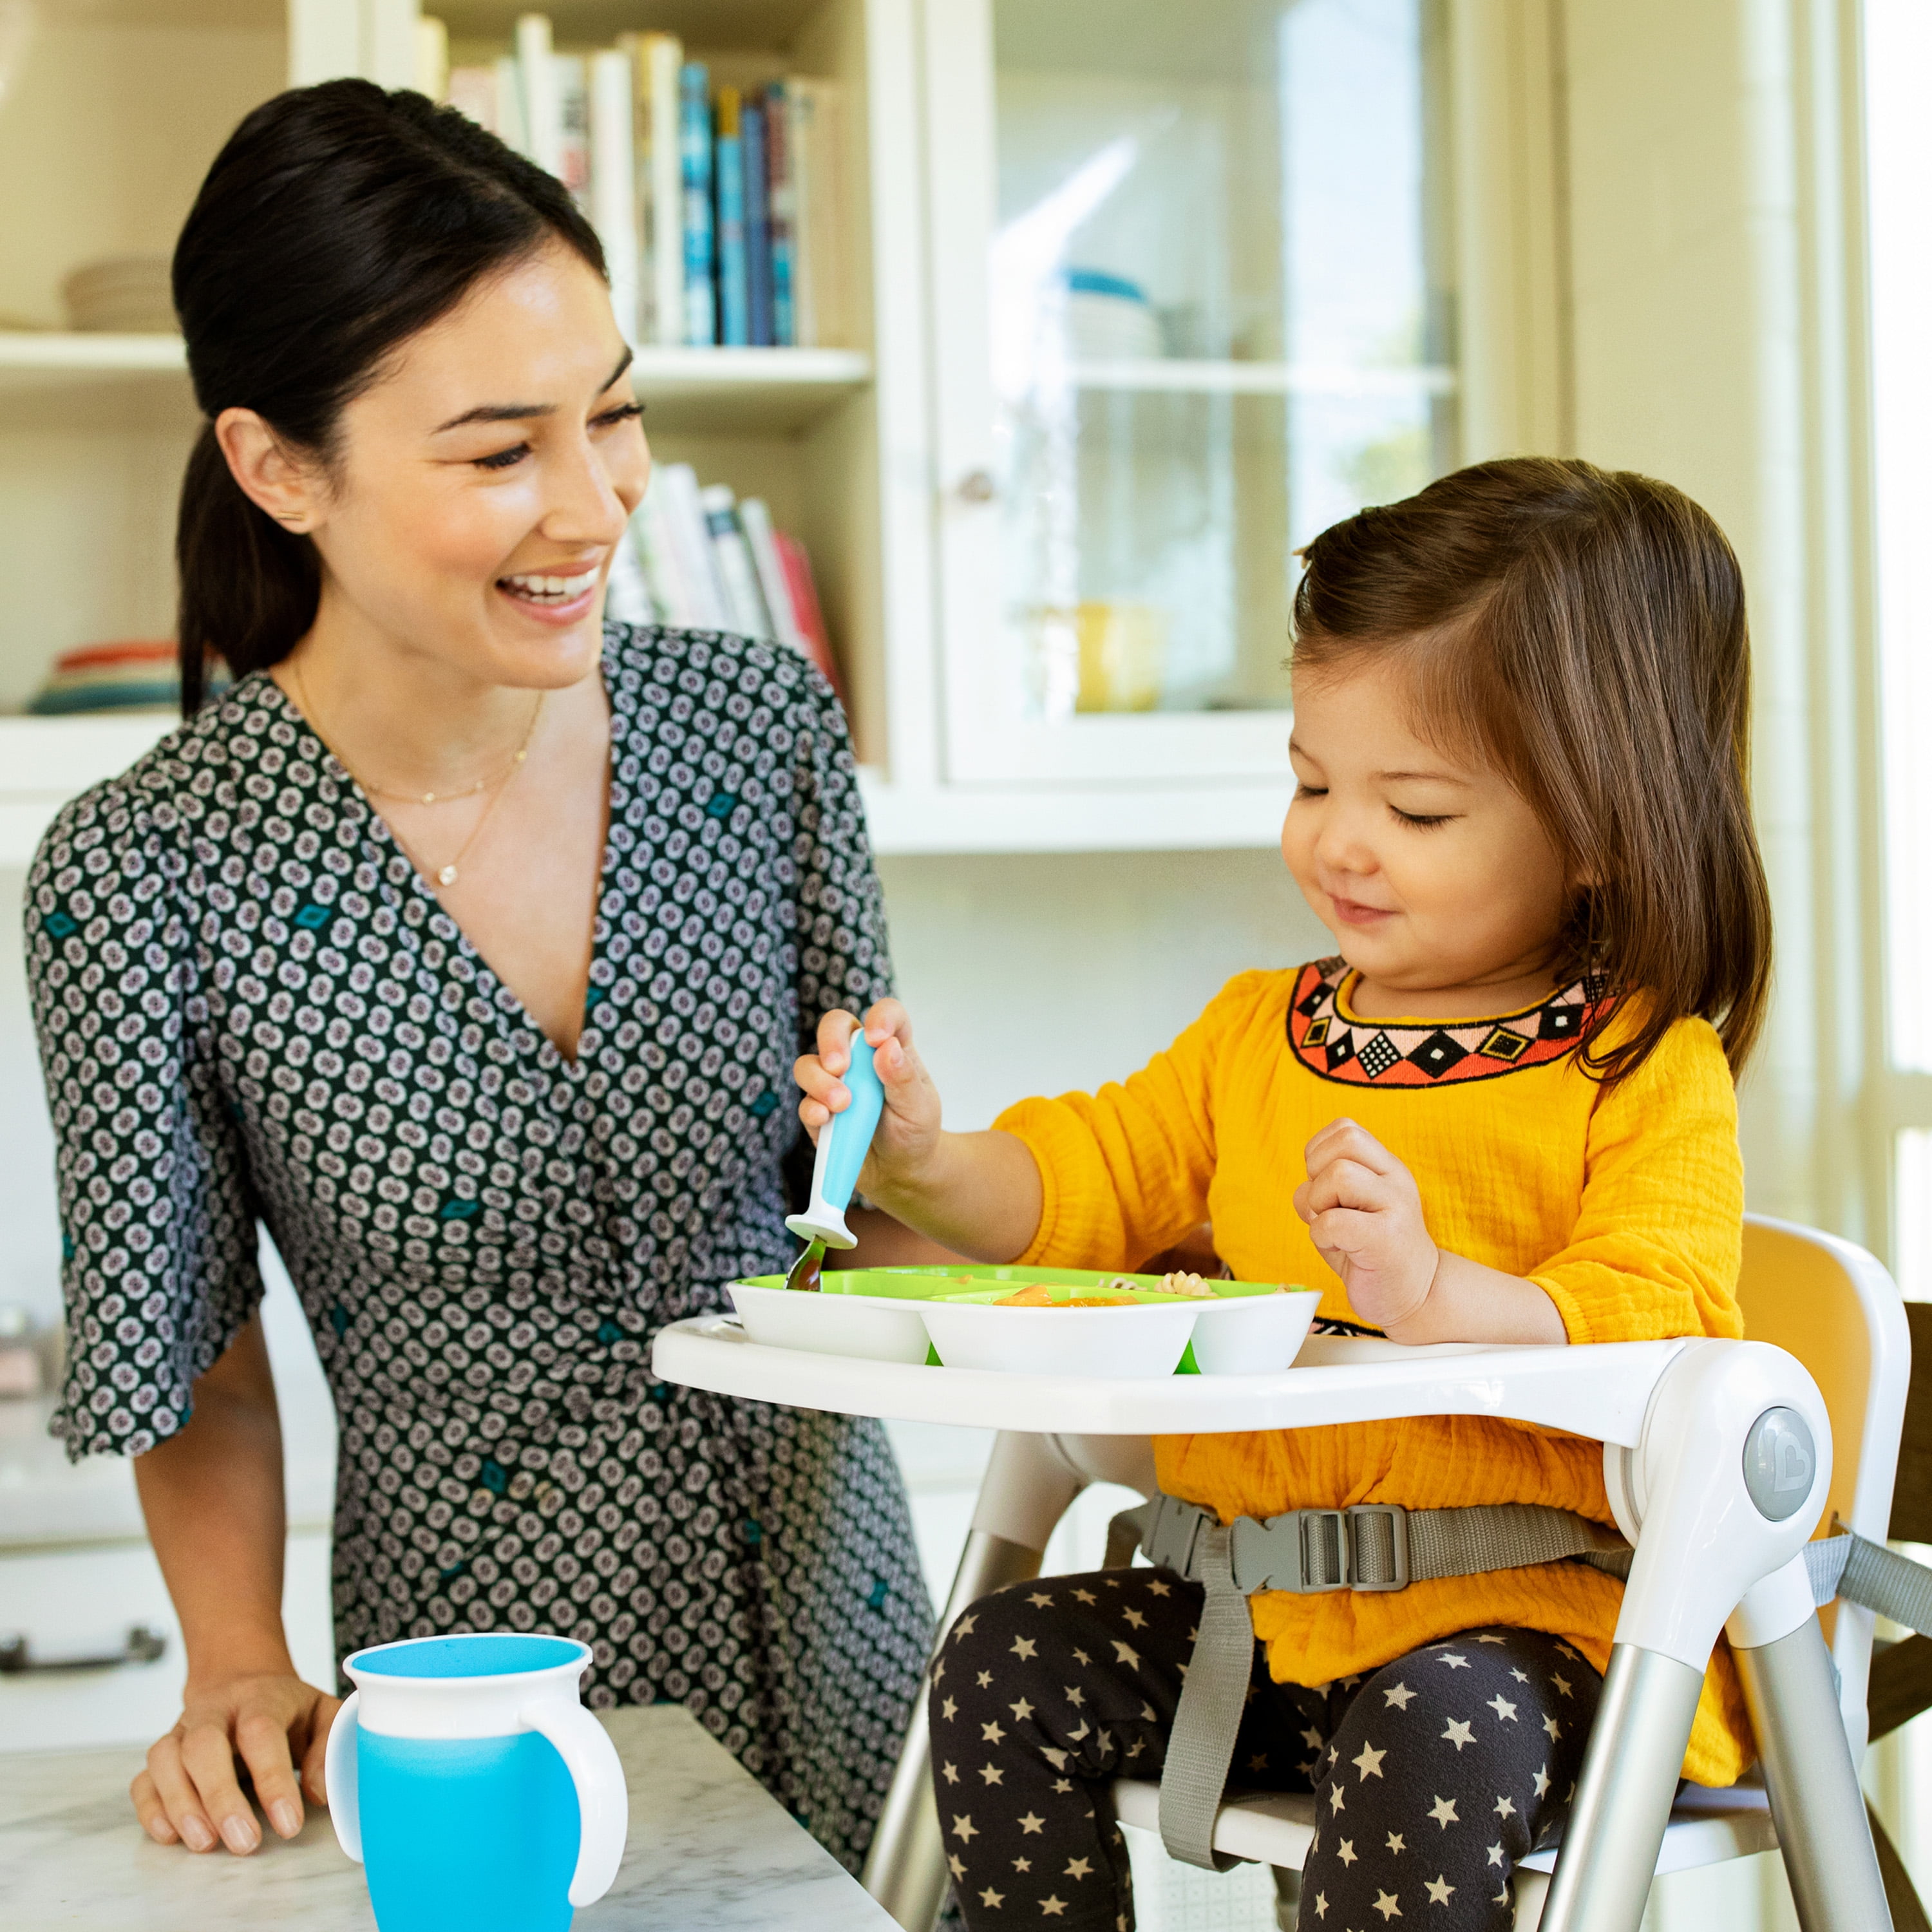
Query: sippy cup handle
point(603, 1799)
point(843, 1144)
point(338, 1778)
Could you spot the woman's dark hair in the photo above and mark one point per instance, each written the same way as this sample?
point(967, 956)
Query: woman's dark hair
point(1583, 631)
point(337, 222)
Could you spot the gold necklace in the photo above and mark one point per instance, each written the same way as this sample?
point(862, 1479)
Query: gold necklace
point(449, 873)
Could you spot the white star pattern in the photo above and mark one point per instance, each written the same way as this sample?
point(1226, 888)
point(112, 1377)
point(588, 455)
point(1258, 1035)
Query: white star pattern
point(1127, 1655)
point(1542, 1781)
point(985, 1680)
point(1075, 1695)
point(1079, 1868)
point(956, 1864)
point(1459, 1734)
point(1386, 1905)
point(1562, 1683)
point(1438, 1888)
point(1321, 1905)
point(949, 1710)
point(1395, 1842)
point(1040, 1600)
point(1334, 1797)
point(1085, 1597)
point(1345, 1851)
point(1399, 1697)
point(1444, 1812)
point(1489, 1637)
point(1033, 1824)
point(1134, 1618)
point(1157, 1589)
point(964, 1829)
point(992, 1899)
point(1023, 1648)
point(991, 1773)
point(963, 1628)
point(1455, 1659)
point(1504, 1710)
point(1368, 1762)
point(1081, 1657)
point(1555, 1729)
point(950, 1772)
point(992, 1733)
point(1505, 1807)
point(1022, 1864)
point(1495, 1854)
point(1057, 1759)
point(1312, 1739)
point(1053, 1906)
point(1520, 1676)
point(1021, 1711)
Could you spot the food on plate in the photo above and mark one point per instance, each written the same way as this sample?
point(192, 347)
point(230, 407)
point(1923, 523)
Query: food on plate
point(1181, 1282)
point(1037, 1295)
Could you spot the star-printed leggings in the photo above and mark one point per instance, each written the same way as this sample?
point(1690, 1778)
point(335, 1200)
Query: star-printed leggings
point(1432, 1777)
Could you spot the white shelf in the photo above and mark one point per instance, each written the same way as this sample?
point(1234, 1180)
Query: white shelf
point(45, 761)
point(1159, 374)
point(735, 390)
point(1196, 816)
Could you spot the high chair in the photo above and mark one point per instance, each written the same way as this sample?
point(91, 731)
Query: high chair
point(1707, 1469)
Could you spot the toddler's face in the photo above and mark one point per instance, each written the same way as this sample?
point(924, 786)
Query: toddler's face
point(1431, 872)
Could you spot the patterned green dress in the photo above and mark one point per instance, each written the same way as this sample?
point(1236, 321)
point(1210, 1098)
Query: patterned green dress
point(250, 1007)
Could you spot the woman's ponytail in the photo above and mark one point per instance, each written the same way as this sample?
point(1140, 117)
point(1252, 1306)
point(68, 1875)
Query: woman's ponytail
point(337, 222)
point(248, 587)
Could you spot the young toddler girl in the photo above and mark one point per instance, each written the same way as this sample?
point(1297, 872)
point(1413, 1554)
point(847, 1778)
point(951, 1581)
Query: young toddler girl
point(1521, 702)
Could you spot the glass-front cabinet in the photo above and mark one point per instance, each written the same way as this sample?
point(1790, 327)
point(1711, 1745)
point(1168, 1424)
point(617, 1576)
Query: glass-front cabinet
point(1191, 303)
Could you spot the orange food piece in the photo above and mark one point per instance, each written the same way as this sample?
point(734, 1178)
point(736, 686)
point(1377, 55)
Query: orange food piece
point(1037, 1295)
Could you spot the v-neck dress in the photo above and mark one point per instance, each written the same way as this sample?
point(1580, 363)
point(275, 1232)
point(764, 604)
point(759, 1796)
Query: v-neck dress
point(250, 1007)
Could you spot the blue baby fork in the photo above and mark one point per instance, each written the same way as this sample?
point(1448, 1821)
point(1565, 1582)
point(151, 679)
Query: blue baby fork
point(473, 1785)
point(843, 1144)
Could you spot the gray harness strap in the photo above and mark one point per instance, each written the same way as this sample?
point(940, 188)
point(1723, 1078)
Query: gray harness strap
point(1384, 1547)
point(1372, 1546)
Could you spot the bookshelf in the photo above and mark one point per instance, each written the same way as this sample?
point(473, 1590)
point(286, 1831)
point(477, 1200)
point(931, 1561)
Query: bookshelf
point(883, 454)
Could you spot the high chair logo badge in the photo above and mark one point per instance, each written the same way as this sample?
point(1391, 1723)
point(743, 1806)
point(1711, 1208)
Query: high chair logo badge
point(1780, 1461)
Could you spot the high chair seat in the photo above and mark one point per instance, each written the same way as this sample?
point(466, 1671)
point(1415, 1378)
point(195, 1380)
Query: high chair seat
point(1677, 1419)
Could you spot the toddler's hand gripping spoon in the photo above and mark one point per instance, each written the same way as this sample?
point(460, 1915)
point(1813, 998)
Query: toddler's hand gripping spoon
point(843, 1144)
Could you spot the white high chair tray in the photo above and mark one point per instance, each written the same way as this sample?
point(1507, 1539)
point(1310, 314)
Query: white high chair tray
point(1598, 1390)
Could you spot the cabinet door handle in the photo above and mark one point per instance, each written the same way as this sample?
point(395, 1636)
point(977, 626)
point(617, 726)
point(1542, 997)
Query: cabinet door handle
point(143, 1646)
point(976, 486)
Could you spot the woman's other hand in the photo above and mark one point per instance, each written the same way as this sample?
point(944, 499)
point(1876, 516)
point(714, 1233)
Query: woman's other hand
point(274, 1729)
point(908, 1133)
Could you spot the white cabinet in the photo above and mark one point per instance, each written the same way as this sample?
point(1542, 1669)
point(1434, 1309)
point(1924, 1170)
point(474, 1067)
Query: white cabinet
point(1190, 305)
point(73, 1605)
point(1143, 297)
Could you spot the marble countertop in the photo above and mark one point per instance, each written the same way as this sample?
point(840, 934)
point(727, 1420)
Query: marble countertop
point(708, 1846)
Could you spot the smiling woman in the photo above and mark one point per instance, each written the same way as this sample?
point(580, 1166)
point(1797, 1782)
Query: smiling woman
point(466, 941)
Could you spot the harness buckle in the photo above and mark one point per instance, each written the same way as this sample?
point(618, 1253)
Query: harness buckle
point(1310, 1551)
point(1170, 1539)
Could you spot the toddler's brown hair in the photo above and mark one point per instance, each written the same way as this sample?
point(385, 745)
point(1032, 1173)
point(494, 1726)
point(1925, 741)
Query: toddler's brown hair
point(1582, 631)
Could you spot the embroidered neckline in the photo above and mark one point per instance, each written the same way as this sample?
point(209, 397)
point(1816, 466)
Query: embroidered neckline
point(1338, 1044)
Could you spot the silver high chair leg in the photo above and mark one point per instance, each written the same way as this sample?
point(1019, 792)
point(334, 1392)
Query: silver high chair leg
point(1026, 1490)
point(1793, 1694)
point(1624, 1797)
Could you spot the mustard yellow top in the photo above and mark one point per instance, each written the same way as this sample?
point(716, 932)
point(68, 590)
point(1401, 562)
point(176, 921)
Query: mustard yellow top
point(1626, 1207)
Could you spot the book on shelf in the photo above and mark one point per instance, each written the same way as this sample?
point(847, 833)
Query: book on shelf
point(731, 225)
point(700, 251)
point(141, 674)
point(710, 562)
point(734, 288)
point(758, 226)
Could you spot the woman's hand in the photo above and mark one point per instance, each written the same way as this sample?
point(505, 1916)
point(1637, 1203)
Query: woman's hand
point(276, 1726)
point(1364, 1215)
point(908, 1134)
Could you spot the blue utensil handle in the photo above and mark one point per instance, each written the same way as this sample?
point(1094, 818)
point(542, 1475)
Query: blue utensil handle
point(843, 1144)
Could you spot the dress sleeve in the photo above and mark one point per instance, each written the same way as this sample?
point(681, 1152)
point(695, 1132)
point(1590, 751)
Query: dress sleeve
point(1656, 1248)
point(1125, 1172)
point(844, 958)
point(157, 1225)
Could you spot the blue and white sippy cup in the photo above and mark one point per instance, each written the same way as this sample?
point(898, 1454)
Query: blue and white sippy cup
point(465, 1775)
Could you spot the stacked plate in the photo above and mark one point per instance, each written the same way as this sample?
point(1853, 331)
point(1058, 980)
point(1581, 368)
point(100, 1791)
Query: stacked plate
point(141, 675)
point(1071, 1322)
point(125, 295)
